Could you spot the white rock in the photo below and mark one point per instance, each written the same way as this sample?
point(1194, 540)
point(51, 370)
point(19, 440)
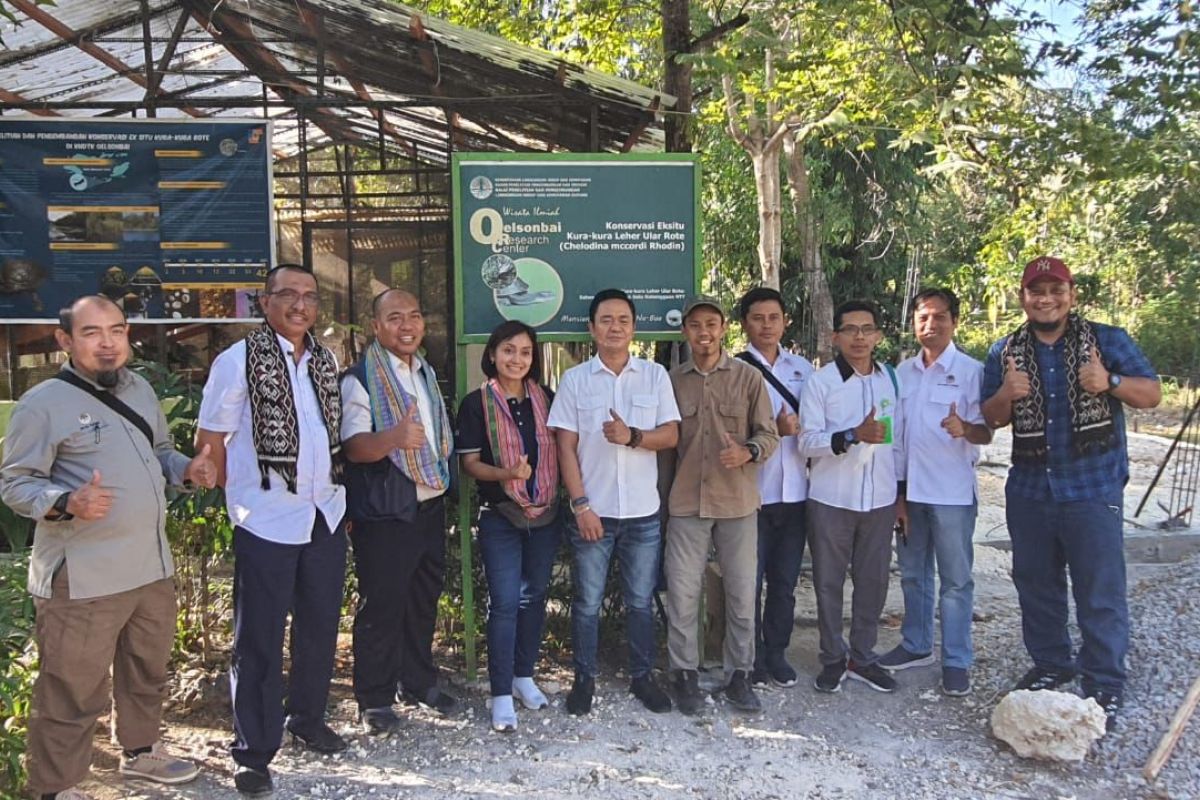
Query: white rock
point(1049, 726)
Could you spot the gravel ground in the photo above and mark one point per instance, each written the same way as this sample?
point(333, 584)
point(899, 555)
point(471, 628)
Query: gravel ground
point(915, 743)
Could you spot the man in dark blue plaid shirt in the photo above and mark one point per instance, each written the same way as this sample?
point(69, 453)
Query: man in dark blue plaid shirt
point(1062, 382)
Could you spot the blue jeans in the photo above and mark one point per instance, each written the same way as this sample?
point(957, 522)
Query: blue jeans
point(780, 551)
point(517, 563)
point(945, 533)
point(1086, 537)
point(636, 542)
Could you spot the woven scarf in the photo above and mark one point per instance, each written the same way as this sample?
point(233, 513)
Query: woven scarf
point(273, 405)
point(1092, 429)
point(390, 403)
point(508, 447)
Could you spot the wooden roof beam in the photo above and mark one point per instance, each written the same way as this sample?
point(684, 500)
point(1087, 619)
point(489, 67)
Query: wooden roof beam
point(640, 128)
point(13, 97)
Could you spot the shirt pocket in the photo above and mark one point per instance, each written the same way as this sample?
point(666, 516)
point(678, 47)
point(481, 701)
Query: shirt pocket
point(86, 440)
point(645, 411)
point(943, 396)
point(732, 418)
point(592, 413)
point(689, 423)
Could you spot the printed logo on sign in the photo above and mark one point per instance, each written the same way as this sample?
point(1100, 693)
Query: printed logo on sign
point(228, 147)
point(674, 317)
point(481, 187)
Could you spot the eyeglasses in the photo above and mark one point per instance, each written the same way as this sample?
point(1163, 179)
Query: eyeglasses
point(290, 296)
point(856, 330)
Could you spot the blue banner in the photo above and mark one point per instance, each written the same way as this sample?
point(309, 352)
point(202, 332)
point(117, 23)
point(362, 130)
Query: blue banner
point(172, 220)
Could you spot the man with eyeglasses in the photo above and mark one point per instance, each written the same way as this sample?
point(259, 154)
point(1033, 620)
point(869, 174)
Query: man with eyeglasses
point(849, 419)
point(272, 415)
point(1061, 381)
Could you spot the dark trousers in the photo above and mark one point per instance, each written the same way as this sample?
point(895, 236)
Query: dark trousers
point(780, 551)
point(518, 563)
point(400, 568)
point(1087, 538)
point(269, 580)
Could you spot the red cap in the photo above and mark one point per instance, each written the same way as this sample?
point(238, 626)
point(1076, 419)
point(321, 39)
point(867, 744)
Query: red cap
point(1046, 267)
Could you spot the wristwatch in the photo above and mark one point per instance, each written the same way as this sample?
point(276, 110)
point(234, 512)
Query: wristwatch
point(754, 452)
point(849, 438)
point(580, 504)
point(1114, 380)
point(635, 437)
point(60, 508)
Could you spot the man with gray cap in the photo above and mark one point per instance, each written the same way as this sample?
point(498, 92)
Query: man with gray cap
point(727, 430)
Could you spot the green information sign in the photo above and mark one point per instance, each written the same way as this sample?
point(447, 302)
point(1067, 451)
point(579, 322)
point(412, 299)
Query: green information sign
point(536, 236)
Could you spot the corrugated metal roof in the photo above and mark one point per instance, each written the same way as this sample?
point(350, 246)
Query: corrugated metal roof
point(325, 55)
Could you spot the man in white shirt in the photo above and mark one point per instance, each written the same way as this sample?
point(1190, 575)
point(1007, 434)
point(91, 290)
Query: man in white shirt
point(943, 427)
point(271, 414)
point(782, 484)
point(849, 418)
point(612, 413)
point(397, 438)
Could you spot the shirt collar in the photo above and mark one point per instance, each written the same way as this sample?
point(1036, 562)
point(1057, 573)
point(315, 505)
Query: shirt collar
point(754, 351)
point(847, 371)
point(399, 367)
point(633, 364)
point(722, 363)
point(289, 349)
point(945, 360)
point(123, 377)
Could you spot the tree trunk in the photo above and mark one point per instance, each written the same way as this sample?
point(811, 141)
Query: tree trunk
point(770, 214)
point(808, 225)
point(677, 75)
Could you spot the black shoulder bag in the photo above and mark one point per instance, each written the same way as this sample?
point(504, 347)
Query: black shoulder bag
point(112, 401)
point(770, 378)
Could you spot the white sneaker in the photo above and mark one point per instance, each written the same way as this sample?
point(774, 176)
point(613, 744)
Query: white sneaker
point(504, 716)
point(525, 690)
point(74, 793)
point(159, 766)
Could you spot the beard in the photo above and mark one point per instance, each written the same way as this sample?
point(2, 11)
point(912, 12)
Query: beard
point(107, 378)
point(1044, 327)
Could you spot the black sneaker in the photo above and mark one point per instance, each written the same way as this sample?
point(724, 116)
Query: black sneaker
point(956, 681)
point(252, 782)
point(831, 677)
point(781, 672)
point(380, 721)
point(760, 678)
point(872, 675)
point(1039, 679)
point(688, 697)
point(740, 694)
point(434, 698)
point(319, 738)
point(644, 688)
point(579, 699)
point(899, 658)
point(1111, 703)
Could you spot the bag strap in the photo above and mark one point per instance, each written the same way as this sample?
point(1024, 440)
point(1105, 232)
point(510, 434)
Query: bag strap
point(112, 401)
point(776, 384)
point(895, 383)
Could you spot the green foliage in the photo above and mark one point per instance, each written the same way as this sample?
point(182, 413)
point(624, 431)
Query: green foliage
point(18, 668)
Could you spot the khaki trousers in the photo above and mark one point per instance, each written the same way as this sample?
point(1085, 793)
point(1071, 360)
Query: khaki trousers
point(79, 642)
point(689, 540)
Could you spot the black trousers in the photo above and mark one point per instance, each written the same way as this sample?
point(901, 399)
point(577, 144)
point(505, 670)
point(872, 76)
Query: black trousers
point(400, 568)
point(269, 580)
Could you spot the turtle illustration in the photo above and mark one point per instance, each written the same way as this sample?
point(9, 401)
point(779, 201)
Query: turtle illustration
point(20, 275)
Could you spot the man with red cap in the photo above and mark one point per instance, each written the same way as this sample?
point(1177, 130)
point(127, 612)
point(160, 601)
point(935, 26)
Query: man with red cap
point(1062, 382)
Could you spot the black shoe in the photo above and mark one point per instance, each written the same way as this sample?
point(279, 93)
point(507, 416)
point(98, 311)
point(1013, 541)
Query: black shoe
point(740, 694)
point(872, 675)
point(760, 678)
point(688, 697)
point(898, 658)
point(1039, 679)
point(781, 672)
point(1111, 703)
point(652, 696)
point(320, 738)
point(579, 699)
point(831, 677)
point(252, 782)
point(380, 721)
point(956, 681)
point(434, 698)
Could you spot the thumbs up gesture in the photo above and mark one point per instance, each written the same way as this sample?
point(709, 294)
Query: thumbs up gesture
point(870, 430)
point(615, 429)
point(90, 501)
point(409, 432)
point(787, 423)
point(521, 470)
point(1093, 377)
point(1016, 381)
point(201, 470)
point(953, 423)
point(733, 455)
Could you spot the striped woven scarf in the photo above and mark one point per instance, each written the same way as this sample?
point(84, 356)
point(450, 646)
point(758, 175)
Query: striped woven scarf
point(508, 447)
point(390, 403)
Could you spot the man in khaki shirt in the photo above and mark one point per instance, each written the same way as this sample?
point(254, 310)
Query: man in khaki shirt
point(92, 478)
point(727, 430)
